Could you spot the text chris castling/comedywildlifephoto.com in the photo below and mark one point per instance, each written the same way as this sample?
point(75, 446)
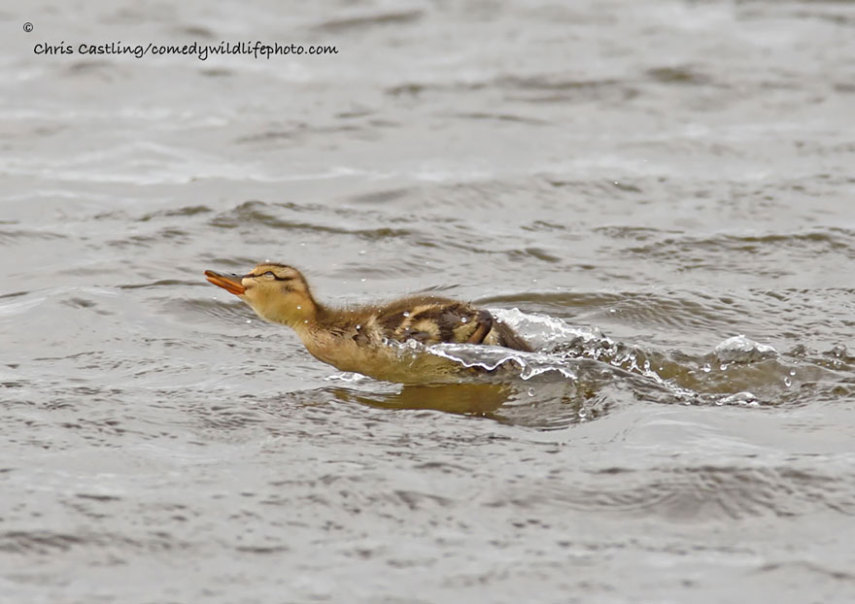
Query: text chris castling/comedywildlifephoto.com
point(255, 49)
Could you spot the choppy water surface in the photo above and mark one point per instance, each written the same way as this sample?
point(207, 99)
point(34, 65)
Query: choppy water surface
point(659, 195)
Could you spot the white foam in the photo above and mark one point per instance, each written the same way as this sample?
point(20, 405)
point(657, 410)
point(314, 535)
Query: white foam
point(543, 330)
point(490, 358)
point(740, 349)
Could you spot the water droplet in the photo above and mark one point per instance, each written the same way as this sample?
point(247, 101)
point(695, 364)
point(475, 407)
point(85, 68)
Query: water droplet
point(531, 391)
point(464, 320)
point(706, 368)
point(363, 280)
point(249, 320)
point(723, 367)
point(406, 314)
point(792, 372)
point(306, 321)
point(358, 327)
point(299, 307)
point(612, 310)
point(788, 382)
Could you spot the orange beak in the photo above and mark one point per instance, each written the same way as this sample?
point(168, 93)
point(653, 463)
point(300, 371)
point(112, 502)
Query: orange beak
point(230, 283)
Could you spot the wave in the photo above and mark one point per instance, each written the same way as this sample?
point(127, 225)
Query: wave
point(578, 373)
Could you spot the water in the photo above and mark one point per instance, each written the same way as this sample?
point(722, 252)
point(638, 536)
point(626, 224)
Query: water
point(658, 194)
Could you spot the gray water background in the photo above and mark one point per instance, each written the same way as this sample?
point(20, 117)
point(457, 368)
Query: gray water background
point(642, 180)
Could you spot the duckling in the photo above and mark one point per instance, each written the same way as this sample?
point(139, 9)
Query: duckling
point(362, 339)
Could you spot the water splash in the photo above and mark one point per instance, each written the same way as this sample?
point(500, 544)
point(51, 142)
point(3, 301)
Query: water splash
point(494, 358)
point(737, 371)
point(740, 349)
point(578, 374)
point(543, 331)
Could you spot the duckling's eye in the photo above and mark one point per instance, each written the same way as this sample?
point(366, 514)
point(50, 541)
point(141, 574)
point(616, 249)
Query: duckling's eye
point(269, 275)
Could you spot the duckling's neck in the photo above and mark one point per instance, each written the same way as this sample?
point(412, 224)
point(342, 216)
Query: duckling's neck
point(300, 317)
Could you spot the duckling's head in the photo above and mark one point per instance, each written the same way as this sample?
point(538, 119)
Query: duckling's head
point(276, 292)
